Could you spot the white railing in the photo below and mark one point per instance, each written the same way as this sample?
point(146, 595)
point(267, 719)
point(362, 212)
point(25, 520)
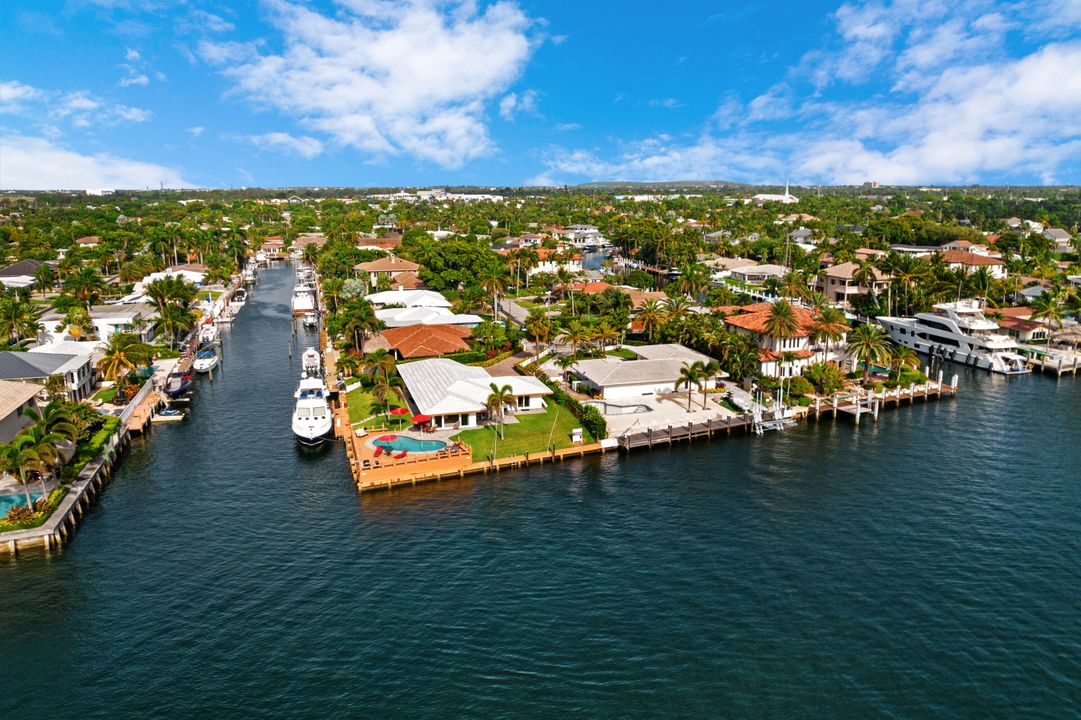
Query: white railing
point(130, 408)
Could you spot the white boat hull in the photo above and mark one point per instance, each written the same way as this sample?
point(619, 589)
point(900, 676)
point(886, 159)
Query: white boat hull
point(204, 366)
point(1001, 362)
point(311, 433)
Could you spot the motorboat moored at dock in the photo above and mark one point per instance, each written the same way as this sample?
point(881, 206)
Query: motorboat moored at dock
point(206, 359)
point(312, 418)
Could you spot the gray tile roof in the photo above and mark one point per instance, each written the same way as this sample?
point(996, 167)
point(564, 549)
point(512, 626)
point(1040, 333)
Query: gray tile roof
point(22, 365)
point(21, 268)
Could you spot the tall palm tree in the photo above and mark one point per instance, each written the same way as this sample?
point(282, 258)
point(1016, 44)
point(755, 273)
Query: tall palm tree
point(565, 276)
point(493, 283)
point(902, 357)
point(498, 399)
point(384, 389)
point(574, 334)
point(782, 321)
point(377, 362)
point(604, 334)
point(830, 326)
point(690, 377)
point(45, 446)
point(869, 344)
point(44, 279)
point(539, 327)
point(708, 371)
point(652, 315)
point(175, 321)
point(1048, 307)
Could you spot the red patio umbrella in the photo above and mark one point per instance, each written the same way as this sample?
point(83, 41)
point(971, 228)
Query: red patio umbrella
point(387, 438)
point(400, 411)
point(422, 418)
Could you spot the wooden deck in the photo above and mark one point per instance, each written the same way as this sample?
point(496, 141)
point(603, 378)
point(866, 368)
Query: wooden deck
point(144, 412)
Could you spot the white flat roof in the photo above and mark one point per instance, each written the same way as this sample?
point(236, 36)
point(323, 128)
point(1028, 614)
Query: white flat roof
point(402, 317)
point(409, 298)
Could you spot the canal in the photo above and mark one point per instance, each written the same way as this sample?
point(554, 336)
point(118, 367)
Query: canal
point(925, 566)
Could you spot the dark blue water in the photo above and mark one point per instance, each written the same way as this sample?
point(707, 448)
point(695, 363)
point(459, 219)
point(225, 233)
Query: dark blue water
point(925, 567)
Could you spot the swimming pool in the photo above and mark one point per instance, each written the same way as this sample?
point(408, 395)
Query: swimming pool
point(9, 501)
point(411, 444)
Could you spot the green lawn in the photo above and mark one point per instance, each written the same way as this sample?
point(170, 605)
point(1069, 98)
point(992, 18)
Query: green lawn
point(529, 434)
point(623, 353)
point(106, 395)
point(363, 405)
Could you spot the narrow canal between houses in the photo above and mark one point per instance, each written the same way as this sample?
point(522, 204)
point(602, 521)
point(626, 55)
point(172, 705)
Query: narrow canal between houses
point(926, 566)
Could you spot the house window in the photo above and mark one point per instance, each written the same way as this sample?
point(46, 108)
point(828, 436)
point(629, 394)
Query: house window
point(523, 401)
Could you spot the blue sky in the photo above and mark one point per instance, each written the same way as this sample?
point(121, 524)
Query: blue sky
point(133, 93)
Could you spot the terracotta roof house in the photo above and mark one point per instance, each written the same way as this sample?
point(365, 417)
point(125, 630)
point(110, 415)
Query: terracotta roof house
point(389, 266)
point(772, 349)
point(88, 241)
point(423, 341)
point(838, 283)
point(969, 262)
point(408, 280)
point(638, 297)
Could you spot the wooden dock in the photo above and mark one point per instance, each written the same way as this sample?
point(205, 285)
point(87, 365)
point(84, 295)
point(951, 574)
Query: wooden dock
point(1059, 365)
point(691, 431)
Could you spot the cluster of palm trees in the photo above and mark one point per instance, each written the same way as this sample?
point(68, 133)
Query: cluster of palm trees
point(381, 367)
point(36, 452)
point(174, 299)
point(585, 335)
point(697, 375)
point(18, 317)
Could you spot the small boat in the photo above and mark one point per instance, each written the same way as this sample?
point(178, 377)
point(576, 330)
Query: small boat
point(208, 334)
point(261, 258)
point(205, 360)
point(310, 363)
point(249, 275)
point(311, 320)
point(312, 419)
point(167, 415)
point(240, 296)
point(177, 384)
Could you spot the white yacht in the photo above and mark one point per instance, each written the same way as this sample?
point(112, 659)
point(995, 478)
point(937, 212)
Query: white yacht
point(205, 360)
point(303, 301)
point(240, 297)
point(261, 258)
point(311, 363)
point(312, 419)
point(959, 332)
point(208, 333)
point(249, 275)
point(311, 320)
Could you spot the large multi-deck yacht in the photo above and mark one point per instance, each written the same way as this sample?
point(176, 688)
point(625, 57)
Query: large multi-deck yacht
point(303, 301)
point(959, 332)
point(312, 419)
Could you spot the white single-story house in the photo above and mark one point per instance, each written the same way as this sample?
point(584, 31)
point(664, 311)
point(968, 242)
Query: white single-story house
point(15, 397)
point(408, 299)
point(456, 395)
point(656, 370)
point(187, 273)
point(401, 317)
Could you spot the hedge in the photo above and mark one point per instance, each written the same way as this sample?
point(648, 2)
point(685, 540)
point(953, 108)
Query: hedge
point(589, 416)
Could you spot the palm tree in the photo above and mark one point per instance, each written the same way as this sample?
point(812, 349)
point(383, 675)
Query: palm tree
point(902, 357)
point(384, 389)
point(360, 320)
point(604, 334)
point(708, 370)
point(44, 445)
point(830, 325)
point(690, 377)
point(18, 320)
point(332, 290)
point(20, 459)
point(493, 283)
point(574, 334)
point(377, 362)
point(44, 279)
point(500, 397)
point(1048, 307)
point(123, 353)
point(539, 327)
point(652, 315)
point(86, 285)
point(782, 321)
point(868, 343)
point(174, 321)
point(565, 277)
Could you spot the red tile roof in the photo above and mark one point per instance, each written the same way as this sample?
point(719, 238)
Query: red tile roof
point(408, 280)
point(963, 257)
point(417, 341)
point(387, 264)
point(756, 321)
point(765, 355)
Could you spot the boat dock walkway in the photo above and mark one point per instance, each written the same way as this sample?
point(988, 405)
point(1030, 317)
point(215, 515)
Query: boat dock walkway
point(1058, 362)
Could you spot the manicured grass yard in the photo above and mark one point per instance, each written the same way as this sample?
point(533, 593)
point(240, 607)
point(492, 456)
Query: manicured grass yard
point(363, 405)
point(623, 353)
point(529, 434)
point(106, 395)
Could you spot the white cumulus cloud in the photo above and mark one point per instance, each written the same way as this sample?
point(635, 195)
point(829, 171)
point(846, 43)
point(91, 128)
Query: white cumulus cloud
point(304, 146)
point(34, 163)
point(387, 76)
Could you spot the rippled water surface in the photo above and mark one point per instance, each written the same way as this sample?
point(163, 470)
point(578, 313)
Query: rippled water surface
point(924, 567)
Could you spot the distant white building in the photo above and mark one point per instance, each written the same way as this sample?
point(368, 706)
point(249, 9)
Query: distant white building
point(786, 198)
point(408, 299)
point(404, 316)
point(656, 370)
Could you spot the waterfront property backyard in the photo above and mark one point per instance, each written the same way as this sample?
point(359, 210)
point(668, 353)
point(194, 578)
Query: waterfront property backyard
point(525, 433)
point(366, 410)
